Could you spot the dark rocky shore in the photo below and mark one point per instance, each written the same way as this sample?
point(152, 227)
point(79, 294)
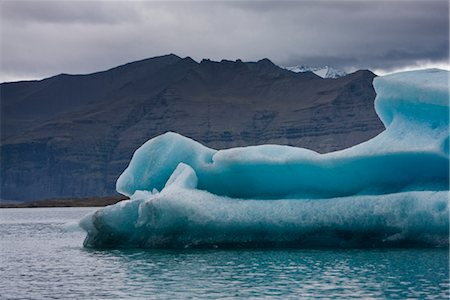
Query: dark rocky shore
point(68, 202)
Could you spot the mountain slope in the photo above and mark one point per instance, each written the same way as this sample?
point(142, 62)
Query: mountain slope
point(72, 135)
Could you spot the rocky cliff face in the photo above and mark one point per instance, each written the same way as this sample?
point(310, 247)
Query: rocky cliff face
point(72, 135)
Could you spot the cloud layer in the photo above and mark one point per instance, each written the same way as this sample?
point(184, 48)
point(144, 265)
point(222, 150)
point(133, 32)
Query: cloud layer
point(44, 38)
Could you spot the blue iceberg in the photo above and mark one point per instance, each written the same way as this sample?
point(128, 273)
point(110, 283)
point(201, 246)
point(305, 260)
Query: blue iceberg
point(392, 190)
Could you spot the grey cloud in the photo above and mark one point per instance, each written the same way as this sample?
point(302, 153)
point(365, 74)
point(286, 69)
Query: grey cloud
point(66, 12)
point(48, 38)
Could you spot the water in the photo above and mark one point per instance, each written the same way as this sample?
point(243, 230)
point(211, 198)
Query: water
point(42, 258)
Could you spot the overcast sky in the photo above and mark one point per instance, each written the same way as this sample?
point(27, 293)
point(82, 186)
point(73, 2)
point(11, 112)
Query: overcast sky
point(45, 38)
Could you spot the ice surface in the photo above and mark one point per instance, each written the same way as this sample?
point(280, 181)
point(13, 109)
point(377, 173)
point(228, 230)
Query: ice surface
point(391, 190)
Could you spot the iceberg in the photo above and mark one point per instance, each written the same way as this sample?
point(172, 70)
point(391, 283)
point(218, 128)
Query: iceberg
point(392, 190)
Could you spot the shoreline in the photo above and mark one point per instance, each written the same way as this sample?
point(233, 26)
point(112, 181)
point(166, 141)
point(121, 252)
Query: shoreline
point(68, 202)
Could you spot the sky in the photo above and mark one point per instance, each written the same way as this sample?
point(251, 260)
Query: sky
point(39, 39)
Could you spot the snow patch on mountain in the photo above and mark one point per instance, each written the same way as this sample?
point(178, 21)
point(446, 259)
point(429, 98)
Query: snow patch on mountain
point(324, 72)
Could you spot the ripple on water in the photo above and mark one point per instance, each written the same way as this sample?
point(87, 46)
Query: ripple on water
point(42, 258)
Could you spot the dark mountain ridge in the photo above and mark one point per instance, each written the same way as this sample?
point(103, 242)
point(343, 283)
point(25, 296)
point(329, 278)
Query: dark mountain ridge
point(72, 135)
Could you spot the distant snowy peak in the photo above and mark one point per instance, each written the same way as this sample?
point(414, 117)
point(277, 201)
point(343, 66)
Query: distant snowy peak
point(324, 72)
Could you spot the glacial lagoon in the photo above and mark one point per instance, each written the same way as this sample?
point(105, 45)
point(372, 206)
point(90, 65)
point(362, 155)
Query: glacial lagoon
point(272, 222)
point(42, 257)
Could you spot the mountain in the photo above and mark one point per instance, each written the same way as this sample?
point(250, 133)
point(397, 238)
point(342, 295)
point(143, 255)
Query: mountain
point(72, 135)
point(324, 72)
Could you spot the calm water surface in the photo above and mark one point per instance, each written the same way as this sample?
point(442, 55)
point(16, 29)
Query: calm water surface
point(42, 258)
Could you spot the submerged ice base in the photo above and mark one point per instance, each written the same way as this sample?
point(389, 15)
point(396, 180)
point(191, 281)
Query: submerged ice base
point(389, 191)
